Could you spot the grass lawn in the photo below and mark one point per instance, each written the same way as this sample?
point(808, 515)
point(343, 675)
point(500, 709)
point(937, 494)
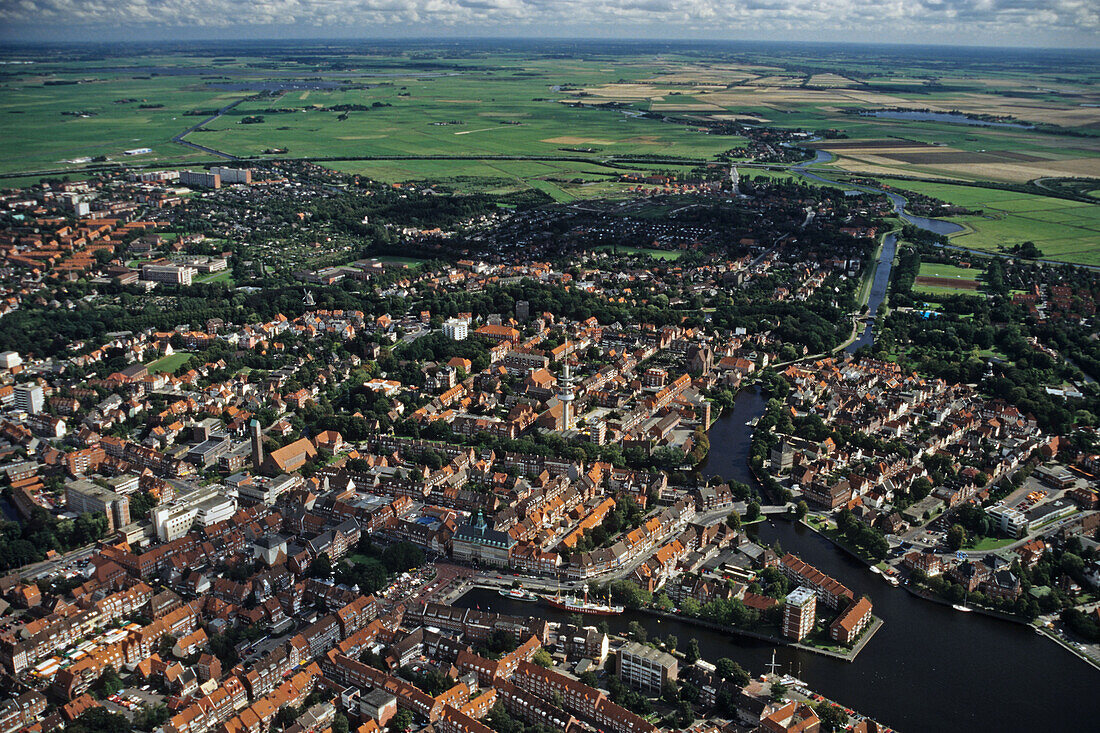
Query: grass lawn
point(660, 254)
point(990, 543)
point(410, 261)
point(225, 276)
point(169, 364)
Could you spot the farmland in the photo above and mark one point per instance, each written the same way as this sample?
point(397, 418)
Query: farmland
point(1063, 230)
point(499, 119)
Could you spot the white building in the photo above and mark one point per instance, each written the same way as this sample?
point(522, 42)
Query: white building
point(29, 398)
point(203, 507)
point(176, 274)
point(455, 328)
point(10, 359)
point(233, 175)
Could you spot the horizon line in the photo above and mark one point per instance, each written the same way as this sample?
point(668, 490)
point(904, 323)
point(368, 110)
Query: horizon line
point(4, 42)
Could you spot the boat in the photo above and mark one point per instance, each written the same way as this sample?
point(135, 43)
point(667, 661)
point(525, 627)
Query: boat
point(960, 607)
point(578, 605)
point(875, 570)
point(518, 594)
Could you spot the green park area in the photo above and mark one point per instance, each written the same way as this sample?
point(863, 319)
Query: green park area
point(659, 254)
point(169, 364)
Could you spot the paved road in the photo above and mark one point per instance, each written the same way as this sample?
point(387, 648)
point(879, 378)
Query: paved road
point(180, 137)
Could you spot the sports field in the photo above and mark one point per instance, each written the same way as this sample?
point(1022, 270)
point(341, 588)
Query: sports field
point(937, 279)
point(660, 254)
point(169, 364)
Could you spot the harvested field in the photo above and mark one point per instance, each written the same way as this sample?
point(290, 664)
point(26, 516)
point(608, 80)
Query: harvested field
point(860, 144)
point(684, 107)
point(960, 156)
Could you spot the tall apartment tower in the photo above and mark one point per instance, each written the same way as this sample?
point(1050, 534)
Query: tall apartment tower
point(30, 398)
point(798, 613)
point(257, 444)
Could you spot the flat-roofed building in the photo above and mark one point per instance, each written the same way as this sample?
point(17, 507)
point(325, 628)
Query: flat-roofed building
point(644, 667)
point(85, 496)
point(799, 613)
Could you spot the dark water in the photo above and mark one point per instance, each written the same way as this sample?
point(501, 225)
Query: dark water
point(937, 226)
point(878, 290)
point(274, 86)
point(929, 668)
point(952, 117)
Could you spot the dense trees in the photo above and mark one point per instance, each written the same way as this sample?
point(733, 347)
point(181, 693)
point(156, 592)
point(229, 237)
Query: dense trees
point(28, 541)
point(861, 536)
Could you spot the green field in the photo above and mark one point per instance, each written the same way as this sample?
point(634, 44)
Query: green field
point(659, 254)
point(1068, 231)
point(169, 364)
point(967, 278)
point(225, 276)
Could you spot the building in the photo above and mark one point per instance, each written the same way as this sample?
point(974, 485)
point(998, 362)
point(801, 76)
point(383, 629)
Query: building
point(231, 175)
point(203, 507)
point(257, 444)
point(30, 398)
point(289, 458)
point(175, 274)
point(200, 179)
point(799, 613)
point(831, 592)
point(10, 359)
point(456, 329)
point(378, 705)
point(85, 496)
point(849, 625)
point(477, 542)
point(644, 667)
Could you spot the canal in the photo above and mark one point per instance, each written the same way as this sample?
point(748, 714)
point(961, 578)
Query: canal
point(928, 668)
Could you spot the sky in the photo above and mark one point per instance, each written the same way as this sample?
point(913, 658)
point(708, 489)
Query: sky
point(1047, 23)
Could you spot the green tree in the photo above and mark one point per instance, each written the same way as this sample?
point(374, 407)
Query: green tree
point(402, 721)
point(956, 537)
point(801, 509)
point(731, 671)
point(543, 659)
point(753, 512)
point(321, 567)
point(692, 654)
point(832, 717)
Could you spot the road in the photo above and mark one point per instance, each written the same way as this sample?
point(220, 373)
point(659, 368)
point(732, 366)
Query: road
point(51, 567)
point(180, 137)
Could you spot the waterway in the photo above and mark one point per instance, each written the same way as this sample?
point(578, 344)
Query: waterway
point(954, 118)
point(889, 244)
point(928, 668)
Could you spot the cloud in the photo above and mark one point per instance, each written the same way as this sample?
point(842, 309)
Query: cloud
point(852, 20)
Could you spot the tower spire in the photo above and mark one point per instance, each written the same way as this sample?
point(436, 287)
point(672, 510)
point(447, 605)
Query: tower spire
point(565, 392)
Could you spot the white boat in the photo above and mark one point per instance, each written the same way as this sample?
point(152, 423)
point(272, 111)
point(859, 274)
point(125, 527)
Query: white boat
point(875, 570)
point(960, 607)
point(518, 594)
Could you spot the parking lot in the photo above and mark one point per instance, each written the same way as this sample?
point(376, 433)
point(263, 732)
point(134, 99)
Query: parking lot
point(129, 700)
